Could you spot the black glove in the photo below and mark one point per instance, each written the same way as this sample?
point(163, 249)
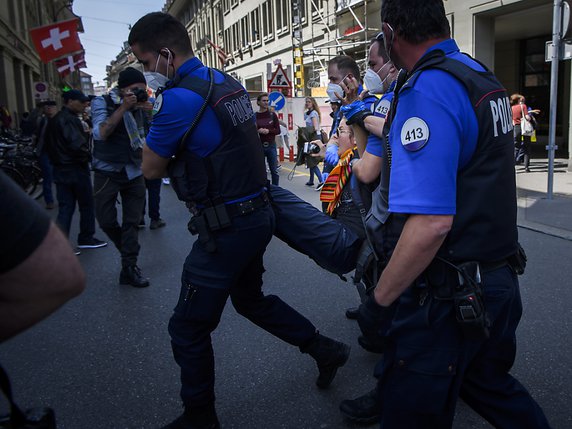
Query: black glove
point(373, 320)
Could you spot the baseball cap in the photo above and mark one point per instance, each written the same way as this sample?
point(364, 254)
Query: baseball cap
point(75, 94)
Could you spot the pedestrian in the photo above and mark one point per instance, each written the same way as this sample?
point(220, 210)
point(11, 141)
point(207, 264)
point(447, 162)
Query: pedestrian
point(49, 110)
point(312, 118)
point(268, 128)
point(69, 152)
point(219, 173)
point(452, 280)
point(120, 124)
point(521, 140)
point(153, 187)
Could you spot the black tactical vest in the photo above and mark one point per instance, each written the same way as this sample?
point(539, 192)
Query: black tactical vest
point(117, 148)
point(484, 228)
point(235, 169)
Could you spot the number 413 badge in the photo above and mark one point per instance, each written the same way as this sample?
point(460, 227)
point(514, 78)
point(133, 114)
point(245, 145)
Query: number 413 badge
point(414, 134)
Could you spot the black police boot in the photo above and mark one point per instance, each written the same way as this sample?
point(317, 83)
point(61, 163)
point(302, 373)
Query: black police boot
point(352, 313)
point(195, 419)
point(364, 409)
point(329, 355)
point(131, 275)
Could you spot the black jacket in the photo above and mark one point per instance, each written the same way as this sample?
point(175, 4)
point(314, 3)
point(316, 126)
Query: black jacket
point(66, 141)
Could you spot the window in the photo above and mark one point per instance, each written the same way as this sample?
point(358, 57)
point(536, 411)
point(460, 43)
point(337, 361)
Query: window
point(225, 6)
point(268, 20)
point(282, 8)
point(319, 4)
point(255, 26)
point(245, 32)
point(233, 3)
point(254, 84)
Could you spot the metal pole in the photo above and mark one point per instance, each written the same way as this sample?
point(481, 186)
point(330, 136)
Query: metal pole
point(556, 22)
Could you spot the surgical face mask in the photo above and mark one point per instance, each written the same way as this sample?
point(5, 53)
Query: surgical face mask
point(156, 80)
point(373, 82)
point(332, 89)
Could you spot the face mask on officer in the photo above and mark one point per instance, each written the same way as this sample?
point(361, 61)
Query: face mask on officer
point(374, 83)
point(332, 89)
point(156, 80)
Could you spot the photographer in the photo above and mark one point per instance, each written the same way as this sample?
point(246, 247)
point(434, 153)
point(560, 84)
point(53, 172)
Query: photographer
point(120, 123)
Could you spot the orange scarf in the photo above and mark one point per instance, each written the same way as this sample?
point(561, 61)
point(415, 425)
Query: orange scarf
point(336, 180)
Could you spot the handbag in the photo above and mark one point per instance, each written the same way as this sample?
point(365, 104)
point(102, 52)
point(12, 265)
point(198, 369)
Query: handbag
point(34, 418)
point(525, 125)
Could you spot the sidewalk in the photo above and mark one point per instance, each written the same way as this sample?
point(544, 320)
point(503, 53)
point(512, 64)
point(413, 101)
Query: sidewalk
point(535, 211)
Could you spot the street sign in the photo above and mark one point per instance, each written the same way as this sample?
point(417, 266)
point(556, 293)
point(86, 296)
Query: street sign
point(564, 54)
point(40, 90)
point(276, 100)
point(279, 79)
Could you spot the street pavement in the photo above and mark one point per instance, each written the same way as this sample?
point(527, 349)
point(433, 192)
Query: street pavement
point(104, 361)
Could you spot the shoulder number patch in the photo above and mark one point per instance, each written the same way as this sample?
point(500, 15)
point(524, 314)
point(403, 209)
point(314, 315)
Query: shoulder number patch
point(381, 109)
point(158, 104)
point(414, 134)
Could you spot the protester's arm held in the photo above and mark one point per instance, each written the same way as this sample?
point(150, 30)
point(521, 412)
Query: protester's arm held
point(420, 240)
point(368, 168)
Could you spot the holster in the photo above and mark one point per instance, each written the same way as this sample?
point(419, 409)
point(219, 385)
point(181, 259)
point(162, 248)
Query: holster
point(211, 218)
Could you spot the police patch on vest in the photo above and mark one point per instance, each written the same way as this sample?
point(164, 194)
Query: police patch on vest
point(158, 104)
point(381, 109)
point(414, 134)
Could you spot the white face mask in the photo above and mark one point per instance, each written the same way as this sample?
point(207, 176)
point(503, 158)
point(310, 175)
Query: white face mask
point(332, 89)
point(373, 82)
point(156, 80)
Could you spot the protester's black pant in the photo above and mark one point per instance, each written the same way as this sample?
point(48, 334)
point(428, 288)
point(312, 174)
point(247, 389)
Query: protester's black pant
point(125, 236)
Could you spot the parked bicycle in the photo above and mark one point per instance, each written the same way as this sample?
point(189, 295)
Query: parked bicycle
point(19, 161)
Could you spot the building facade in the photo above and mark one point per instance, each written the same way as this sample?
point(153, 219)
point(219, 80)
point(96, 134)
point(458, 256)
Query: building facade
point(24, 79)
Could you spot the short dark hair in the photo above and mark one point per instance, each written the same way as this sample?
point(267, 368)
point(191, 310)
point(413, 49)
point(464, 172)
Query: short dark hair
point(381, 51)
point(158, 30)
point(264, 94)
point(346, 65)
point(416, 21)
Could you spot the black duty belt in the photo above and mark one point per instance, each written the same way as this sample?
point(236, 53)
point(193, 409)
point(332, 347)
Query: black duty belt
point(487, 267)
point(242, 208)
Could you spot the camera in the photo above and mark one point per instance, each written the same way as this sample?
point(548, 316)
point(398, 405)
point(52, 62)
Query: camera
point(141, 94)
point(310, 148)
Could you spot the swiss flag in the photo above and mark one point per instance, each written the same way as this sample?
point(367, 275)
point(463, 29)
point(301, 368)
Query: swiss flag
point(55, 40)
point(71, 63)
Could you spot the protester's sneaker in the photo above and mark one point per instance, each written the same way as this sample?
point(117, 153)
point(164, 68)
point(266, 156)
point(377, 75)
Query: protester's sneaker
point(157, 223)
point(132, 276)
point(364, 409)
point(278, 167)
point(141, 224)
point(166, 181)
point(93, 243)
point(352, 313)
point(77, 252)
point(309, 183)
point(320, 186)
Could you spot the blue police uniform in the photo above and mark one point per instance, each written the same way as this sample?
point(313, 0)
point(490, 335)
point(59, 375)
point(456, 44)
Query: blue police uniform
point(224, 161)
point(380, 109)
point(452, 153)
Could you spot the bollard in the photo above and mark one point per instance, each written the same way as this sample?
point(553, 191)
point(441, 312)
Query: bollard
point(281, 154)
point(291, 154)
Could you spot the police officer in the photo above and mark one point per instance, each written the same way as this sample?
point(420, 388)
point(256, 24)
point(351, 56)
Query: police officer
point(221, 176)
point(453, 271)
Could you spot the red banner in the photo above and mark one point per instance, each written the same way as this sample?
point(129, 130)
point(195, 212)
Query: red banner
point(56, 40)
point(70, 63)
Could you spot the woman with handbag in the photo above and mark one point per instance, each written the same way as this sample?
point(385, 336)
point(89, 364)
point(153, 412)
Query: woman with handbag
point(523, 129)
point(312, 119)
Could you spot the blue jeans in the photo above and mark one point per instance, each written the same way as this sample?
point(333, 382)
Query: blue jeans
point(315, 171)
point(47, 177)
point(271, 157)
point(73, 184)
point(208, 279)
point(429, 363)
point(154, 197)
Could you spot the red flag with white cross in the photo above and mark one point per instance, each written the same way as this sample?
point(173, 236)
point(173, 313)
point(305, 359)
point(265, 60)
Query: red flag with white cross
point(70, 63)
point(56, 40)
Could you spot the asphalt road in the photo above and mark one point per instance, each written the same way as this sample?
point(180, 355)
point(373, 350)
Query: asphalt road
point(104, 360)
